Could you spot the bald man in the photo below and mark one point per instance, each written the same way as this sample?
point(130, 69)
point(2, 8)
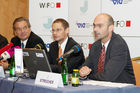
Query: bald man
point(109, 58)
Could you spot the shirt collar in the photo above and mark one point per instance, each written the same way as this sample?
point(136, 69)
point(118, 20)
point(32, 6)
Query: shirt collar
point(63, 45)
point(24, 42)
point(106, 45)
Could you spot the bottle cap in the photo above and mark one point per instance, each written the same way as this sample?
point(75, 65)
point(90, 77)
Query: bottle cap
point(75, 69)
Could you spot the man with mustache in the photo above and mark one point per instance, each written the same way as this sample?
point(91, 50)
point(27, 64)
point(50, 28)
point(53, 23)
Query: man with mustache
point(109, 58)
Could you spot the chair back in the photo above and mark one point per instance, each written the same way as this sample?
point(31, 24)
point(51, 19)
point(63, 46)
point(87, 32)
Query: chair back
point(136, 67)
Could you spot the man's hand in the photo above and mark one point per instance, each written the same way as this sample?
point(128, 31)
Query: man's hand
point(4, 63)
point(84, 71)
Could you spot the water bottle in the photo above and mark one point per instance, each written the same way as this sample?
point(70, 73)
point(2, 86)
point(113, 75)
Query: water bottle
point(75, 78)
point(64, 71)
point(12, 67)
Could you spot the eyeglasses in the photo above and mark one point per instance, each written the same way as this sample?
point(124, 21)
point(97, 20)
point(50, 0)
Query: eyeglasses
point(20, 29)
point(57, 30)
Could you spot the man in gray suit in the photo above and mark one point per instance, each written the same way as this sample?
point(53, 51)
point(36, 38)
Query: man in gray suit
point(109, 58)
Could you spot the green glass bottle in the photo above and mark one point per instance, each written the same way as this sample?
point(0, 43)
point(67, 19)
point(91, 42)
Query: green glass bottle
point(75, 78)
point(12, 67)
point(64, 71)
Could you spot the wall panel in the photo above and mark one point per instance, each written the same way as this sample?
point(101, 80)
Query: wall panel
point(9, 10)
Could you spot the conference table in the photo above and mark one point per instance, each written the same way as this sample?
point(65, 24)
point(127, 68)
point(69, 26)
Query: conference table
point(28, 86)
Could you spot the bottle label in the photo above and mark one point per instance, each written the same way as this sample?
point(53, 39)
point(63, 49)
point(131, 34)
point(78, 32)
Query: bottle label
point(65, 78)
point(75, 80)
point(13, 71)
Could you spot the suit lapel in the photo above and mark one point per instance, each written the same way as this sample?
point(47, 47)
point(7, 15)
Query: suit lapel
point(68, 45)
point(56, 49)
point(97, 51)
point(109, 48)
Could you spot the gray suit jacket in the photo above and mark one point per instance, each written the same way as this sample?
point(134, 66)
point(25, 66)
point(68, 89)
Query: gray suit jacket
point(118, 65)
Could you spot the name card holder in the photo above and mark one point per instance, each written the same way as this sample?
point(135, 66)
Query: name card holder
point(2, 75)
point(49, 79)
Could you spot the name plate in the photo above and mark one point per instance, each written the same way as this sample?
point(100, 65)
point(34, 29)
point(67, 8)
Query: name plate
point(19, 60)
point(2, 75)
point(49, 79)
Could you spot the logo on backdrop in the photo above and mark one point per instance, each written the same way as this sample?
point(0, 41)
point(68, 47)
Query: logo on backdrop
point(47, 24)
point(84, 7)
point(120, 2)
point(83, 25)
point(122, 23)
point(50, 5)
point(85, 45)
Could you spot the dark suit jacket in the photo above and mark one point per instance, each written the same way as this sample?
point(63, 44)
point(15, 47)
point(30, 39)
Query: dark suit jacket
point(73, 61)
point(3, 41)
point(33, 40)
point(118, 65)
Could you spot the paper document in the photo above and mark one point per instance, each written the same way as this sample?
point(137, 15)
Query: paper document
point(105, 83)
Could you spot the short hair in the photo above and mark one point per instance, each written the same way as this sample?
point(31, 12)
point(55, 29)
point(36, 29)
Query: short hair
point(64, 23)
point(19, 19)
point(110, 19)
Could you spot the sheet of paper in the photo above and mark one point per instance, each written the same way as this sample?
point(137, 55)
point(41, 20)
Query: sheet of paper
point(105, 83)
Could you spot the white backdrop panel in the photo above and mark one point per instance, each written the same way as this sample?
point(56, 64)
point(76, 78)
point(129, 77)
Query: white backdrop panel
point(134, 46)
point(43, 12)
point(81, 16)
point(125, 15)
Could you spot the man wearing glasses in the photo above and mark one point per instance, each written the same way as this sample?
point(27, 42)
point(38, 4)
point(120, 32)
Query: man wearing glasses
point(63, 43)
point(24, 37)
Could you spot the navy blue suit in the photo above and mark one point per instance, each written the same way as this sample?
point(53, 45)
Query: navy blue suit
point(33, 40)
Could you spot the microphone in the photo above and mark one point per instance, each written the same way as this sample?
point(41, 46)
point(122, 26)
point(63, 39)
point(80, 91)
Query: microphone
point(6, 48)
point(39, 46)
point(74, 49)
point(8, 54)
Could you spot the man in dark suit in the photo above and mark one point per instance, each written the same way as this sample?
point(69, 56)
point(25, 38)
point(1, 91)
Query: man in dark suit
point(24, 37)
point(60, 32)
point(3, 42)
point(114, 64)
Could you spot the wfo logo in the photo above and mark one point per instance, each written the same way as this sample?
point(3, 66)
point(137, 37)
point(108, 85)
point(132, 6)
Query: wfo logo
point(84, 8)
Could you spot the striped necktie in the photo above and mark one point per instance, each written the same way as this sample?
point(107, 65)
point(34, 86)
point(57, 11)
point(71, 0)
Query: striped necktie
point(100, 67)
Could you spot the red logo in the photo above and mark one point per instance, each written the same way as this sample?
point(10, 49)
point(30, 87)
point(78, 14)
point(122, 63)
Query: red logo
point(89, 45)
point(128, 23)
point(58, 5)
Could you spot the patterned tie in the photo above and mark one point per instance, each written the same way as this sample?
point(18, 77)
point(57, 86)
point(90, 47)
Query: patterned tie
point(100, 67)
point(22, 45)
point(60, 54)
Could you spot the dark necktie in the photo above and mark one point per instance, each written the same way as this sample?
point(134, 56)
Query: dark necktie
point(22, 45)
point(100, 66)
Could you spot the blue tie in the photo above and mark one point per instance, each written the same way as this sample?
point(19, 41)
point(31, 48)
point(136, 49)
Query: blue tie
point(22, 45)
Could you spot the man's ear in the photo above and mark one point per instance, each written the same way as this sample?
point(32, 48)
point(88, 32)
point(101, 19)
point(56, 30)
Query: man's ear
point(111, 28)
point(67, 30)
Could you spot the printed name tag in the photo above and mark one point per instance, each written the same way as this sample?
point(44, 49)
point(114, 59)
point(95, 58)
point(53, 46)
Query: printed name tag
point(2, 72)
point(49, 79)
